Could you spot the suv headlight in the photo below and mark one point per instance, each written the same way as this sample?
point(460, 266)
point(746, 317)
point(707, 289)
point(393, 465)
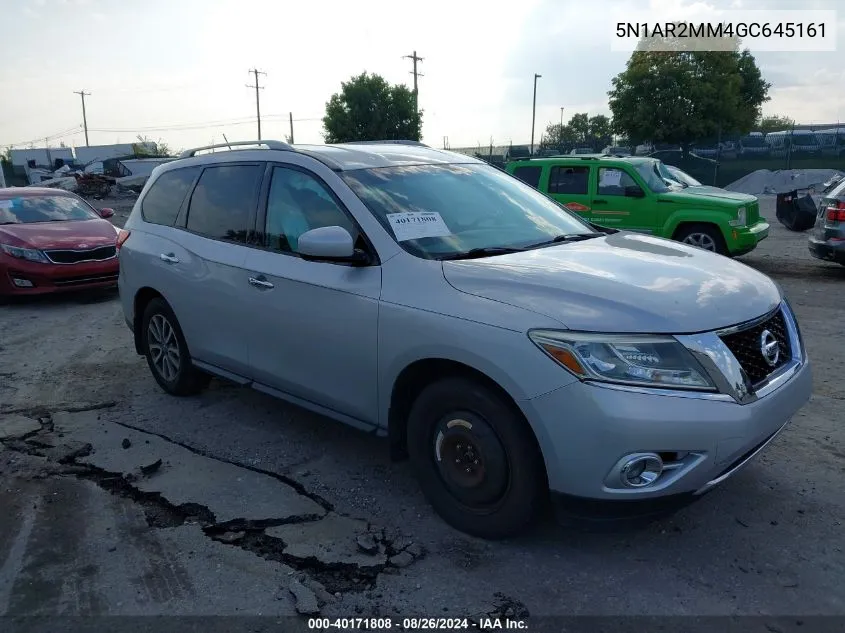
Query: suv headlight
point(633, 359)
point(29, 254)
point(740, 218)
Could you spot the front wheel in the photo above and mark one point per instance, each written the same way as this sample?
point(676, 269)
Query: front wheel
point(475, 458)
point(704, 236)
point(167, 352)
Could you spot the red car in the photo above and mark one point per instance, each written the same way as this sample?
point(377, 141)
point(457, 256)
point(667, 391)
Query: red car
point(52, 241)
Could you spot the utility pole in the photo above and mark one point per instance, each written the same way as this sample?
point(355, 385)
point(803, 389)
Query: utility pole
point(291, 127)
point(416, 74)
point(84, 94)
point(561, 118)
point(257, 72)
point(534, 112)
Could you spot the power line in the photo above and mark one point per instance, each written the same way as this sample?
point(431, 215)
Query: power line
point(83, 94)
point(57, 135)
point(257, 72)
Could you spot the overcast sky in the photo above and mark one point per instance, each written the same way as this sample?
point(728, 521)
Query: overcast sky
point(184, 63)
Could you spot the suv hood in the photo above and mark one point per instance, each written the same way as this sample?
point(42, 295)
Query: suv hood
point(715, 195)
point(622, 283)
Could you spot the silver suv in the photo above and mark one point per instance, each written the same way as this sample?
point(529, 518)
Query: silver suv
point(505, 346)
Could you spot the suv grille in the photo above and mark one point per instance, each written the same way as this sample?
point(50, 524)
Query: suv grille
point(72, 257)
point(746, 346)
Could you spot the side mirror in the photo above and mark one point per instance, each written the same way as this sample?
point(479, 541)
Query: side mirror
point(106, 213)
point(329, 243)
point(634, 192)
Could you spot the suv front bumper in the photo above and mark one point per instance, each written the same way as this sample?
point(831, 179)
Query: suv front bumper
point(745, 239)
point(586, 430)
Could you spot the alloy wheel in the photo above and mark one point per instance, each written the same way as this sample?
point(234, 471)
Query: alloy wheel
point(701, 240)
point(163, 347)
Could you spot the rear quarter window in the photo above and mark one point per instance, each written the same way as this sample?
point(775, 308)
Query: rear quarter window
point(163, 200)
point(530, 175)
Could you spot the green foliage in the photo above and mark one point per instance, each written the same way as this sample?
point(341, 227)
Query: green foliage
point(6, 156)
point(162, 148)
point(367, 108)
point(682, 96)
point(774, 123)
point(581, 131)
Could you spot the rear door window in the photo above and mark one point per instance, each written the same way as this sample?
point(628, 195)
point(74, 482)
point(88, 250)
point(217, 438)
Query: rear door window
point(223, 202)
point(571, 180)
point(162, 202)
point(530, 175)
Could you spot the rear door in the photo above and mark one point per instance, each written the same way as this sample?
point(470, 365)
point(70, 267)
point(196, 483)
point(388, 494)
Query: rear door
point(621, 201)
point(211, 299)
point(569, 185)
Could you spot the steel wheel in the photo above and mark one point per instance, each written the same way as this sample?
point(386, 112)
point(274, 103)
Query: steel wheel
point(164, 347)
point(701, 240)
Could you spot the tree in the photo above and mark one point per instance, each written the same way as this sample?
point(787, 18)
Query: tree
point(142, 148)
point(601, 132)
point(367, 108)
point(681, 96)
point(774, 123)
point(582, 131)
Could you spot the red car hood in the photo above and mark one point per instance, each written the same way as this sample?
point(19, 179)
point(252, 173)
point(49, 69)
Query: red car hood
point(52, 235)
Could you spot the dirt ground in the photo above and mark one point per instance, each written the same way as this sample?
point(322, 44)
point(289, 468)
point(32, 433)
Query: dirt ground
point(118, 499)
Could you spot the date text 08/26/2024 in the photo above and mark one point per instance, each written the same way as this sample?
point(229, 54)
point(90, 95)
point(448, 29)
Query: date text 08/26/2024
point(414, 624)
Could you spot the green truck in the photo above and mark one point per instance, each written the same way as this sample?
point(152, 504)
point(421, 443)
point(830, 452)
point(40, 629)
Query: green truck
point(630, 194)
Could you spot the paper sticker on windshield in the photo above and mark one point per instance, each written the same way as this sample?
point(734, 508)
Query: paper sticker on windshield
point(610, 178)
point(414, 225)
point(6, 204)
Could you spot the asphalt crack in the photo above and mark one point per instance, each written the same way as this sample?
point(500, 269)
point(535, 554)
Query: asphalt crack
point(293, 483)
point(246, 534)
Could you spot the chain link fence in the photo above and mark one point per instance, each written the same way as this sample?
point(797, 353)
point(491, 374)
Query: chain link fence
point(717, 161)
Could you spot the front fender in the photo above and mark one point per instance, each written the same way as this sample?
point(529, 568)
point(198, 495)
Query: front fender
point(720, 219)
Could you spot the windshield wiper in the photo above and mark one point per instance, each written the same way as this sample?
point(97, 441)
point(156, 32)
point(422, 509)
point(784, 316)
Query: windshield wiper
point(568, 237)
point(487, 251)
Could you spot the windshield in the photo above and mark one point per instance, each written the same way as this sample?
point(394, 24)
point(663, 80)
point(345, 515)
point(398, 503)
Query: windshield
point(677, 175)
point(44, 209)
point(652, 180)
point(440, 210)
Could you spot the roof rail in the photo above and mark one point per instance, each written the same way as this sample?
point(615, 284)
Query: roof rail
point(389, 142)
point(269, 144)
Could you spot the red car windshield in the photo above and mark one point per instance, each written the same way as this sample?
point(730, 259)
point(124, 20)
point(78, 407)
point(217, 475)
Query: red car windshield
point(28, 210)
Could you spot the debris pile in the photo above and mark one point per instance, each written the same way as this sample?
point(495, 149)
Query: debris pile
point(764, 181)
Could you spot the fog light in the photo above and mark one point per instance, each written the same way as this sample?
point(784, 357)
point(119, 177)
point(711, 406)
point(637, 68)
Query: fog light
point(22, 283)
point(641, 470)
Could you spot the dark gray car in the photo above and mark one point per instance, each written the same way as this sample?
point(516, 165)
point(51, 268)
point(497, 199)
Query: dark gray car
point(827, 239)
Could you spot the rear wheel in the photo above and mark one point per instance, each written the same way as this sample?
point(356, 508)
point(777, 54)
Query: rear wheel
point(475, 458)
point(167, 352)
point(704, 236)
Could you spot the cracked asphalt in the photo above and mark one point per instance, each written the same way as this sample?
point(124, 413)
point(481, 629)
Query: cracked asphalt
point(118, 499)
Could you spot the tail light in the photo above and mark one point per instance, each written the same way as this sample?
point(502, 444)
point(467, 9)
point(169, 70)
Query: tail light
point(836, 213)
point(122, 236)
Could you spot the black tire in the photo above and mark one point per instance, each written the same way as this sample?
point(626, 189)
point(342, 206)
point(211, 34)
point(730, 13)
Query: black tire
point(186, 380)
point(689, 231)
point(507, 486)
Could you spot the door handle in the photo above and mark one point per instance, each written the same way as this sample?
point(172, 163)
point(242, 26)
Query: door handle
point(599, 201)
point(170, 258)
point(261, 283)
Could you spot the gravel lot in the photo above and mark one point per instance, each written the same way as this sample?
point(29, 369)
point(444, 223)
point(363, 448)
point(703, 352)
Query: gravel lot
point(769, 541)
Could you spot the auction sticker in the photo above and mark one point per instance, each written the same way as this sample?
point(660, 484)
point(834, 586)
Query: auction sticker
point(414, 225)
